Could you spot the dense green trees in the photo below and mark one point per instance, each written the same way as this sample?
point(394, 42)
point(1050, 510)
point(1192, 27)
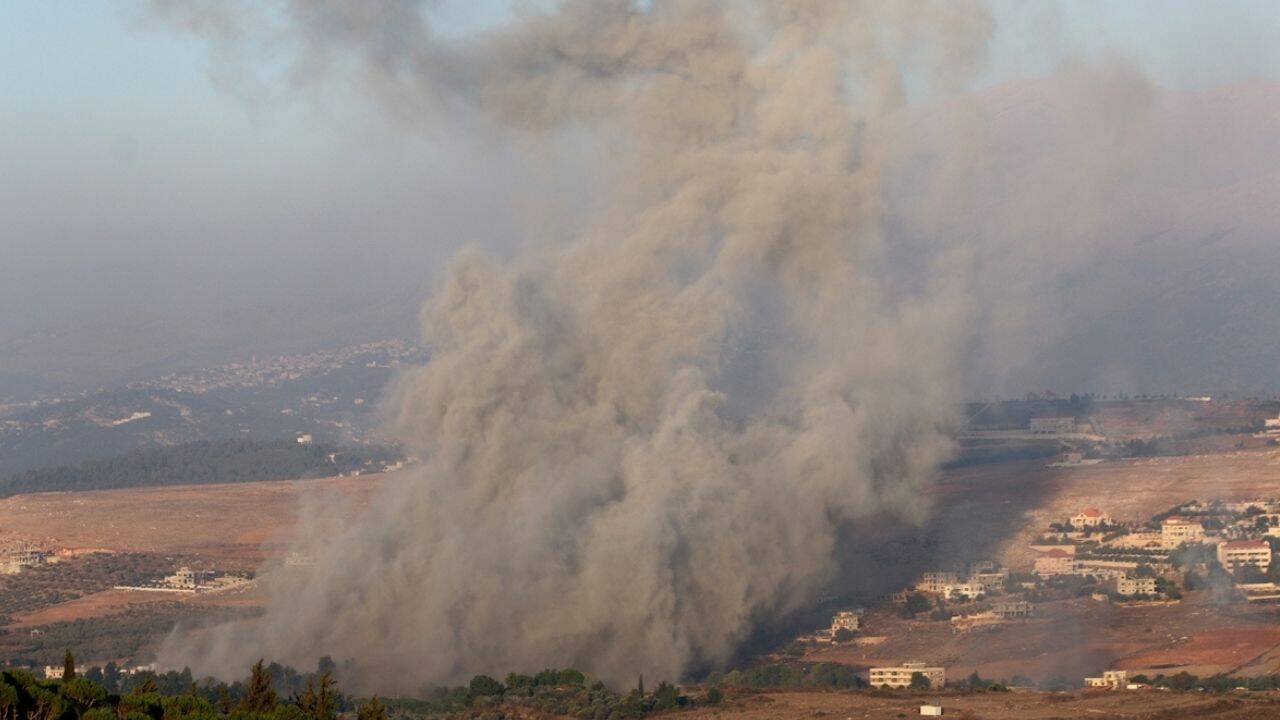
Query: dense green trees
point(198, 463)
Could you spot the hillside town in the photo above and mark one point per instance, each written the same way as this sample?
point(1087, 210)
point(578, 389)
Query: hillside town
point(1226, 547)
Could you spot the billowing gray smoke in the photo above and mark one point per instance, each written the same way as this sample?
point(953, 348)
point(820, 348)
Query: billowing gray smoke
point(640, 442)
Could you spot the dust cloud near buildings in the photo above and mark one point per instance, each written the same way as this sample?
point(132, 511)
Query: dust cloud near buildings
point(653, 432)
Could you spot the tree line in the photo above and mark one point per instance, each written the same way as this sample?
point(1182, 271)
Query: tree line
point(203, 462)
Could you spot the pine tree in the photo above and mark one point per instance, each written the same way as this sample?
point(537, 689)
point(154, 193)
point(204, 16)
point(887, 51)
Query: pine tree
point(68, 666)
point(320, 700)
point(260, 696)
point(224, 700)
point(372, 710)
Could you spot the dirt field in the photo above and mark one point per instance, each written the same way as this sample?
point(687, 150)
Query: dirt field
point(1144, 705)
point(231, 526)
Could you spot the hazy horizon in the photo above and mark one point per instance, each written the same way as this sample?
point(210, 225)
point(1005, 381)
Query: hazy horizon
point(177, 202)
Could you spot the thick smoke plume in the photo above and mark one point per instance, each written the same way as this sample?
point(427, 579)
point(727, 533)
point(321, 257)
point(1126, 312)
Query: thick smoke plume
point(641, 442)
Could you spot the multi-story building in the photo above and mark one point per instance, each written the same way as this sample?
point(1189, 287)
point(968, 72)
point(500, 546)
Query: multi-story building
point(1012, 609)
point(1089, 518)
point(1176, 530)
point(963, 590)
point(1136, 586)
point(900, 677)
point(991, 580)
point(936, 582)
point(1238, 553)
point(845, 620)
point(1113, 679)
point(1055, 562)
point(19, 556)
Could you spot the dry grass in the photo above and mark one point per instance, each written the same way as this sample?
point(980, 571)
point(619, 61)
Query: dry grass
point(233, 526)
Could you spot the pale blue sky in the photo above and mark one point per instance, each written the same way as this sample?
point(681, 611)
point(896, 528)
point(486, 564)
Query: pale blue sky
point(84, 70)
point(131, 181)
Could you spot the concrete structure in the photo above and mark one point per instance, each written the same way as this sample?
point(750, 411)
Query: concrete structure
point(1053, 425)
point(931, 710)
point(936, 582)
point(1259, 592)
point(1105, 568)
point(53, 672)
point(900, 677)
point(1176, 530)
point(187, 579)
point(1111, 679)
point(1089, 518)
point(845, 620)
point(1272, 426)
point(1012, 609)
point(1237, 554)
point(21, 555)
point(1136, 586)
point(991, 580)
point(1055, 562)
point(963, 591)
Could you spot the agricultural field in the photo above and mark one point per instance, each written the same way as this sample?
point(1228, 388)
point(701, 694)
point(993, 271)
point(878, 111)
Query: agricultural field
point(102, 539)
point(1146, 705)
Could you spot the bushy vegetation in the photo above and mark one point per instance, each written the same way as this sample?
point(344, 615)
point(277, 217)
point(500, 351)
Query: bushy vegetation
point(560, 692)
point(793, 675)
point(129, 634)
point(76, 697)
point(198, 463)
point(1213, 683)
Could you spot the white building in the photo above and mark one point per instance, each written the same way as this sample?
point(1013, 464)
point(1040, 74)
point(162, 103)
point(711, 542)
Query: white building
point(992, 581)
point(1237, 554)
point(900, 677)
point(21, 555)
point(967, 590)
point(1012, 609)
point(1055, 562)
point(53, 672)
point(1272, 426)
point(1136, 586)
point(845, 620)
point(1176, 530)
point(1111, 679)
point(936, 582)
point(1090, 517)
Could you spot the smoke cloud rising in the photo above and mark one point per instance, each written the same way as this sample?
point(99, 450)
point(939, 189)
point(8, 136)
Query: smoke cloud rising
point(641, 441)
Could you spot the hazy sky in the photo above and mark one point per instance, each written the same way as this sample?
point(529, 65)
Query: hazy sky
point(139, 181)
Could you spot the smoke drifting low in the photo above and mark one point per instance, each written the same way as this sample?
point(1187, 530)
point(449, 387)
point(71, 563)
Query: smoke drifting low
point(641, 442)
